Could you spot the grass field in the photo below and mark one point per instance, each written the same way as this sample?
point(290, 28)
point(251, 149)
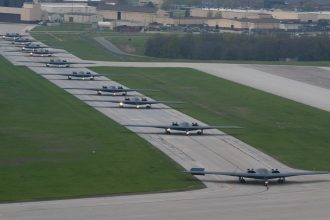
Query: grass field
point(55, 146)
point(294, 133)
point(78, 44)
point(130, 43)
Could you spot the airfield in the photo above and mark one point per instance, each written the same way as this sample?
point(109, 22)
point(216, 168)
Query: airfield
point(300, 198)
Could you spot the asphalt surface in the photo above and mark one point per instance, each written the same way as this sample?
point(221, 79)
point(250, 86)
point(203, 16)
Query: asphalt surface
point(300, 198)
point(110, 46)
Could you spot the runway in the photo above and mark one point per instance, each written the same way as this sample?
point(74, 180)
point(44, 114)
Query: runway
point(223, 198)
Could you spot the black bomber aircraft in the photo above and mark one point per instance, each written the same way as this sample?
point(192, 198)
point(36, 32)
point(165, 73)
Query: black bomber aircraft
point(138, 102)
point(32, 46)
point(11, 36)
point(22, 41)
point(186, 127)
point(58, 63)
point(28, 48)
point(80, 75)
point(258, 174)
point(42, 53)
point(113, 90)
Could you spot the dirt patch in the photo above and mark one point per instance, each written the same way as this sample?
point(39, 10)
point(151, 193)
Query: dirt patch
point(129, 49)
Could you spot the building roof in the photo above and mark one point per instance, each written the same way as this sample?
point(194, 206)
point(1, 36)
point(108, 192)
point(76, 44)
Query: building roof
point(126, 8)
point(64, 5)
point(80, 13)
point(259, 20)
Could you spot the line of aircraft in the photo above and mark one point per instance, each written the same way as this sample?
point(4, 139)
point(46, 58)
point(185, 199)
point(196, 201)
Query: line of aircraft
point(36, 49)
point(11, 36)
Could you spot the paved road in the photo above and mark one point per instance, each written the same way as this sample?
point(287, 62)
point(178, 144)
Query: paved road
point(301, 198)
point(110, 46)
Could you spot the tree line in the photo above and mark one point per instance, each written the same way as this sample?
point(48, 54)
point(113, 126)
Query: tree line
point(265, 47)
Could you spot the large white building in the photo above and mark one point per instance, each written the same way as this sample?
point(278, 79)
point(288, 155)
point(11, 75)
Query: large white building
point(63, 8)
point(71, 12)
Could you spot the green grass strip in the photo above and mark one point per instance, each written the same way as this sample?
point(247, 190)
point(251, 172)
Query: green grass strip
point(54, 146)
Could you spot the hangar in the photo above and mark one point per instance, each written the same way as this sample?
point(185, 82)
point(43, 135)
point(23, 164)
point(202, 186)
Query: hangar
point(20, 11)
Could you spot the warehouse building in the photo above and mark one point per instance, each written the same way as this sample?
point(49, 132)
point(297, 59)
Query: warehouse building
point(145, 15)
point(260, 14)
point(253, 24)
point(71, 12)
point(86, 18)
point(20, 11)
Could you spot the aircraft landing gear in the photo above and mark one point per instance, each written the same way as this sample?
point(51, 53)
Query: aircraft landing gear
point(200, 132)
point(241, 180)
point(281, 180)
point(266, 183)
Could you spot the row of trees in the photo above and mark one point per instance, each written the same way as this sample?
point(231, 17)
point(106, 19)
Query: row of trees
point(239, 47)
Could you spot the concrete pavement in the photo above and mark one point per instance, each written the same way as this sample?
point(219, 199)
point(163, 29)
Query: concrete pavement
point(300, 198)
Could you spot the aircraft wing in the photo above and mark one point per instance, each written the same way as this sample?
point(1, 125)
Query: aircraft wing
point(149, 126)
point(45, 52)
point(77, 62)
point(298, 173)
point(202, 172)
point(115, 90)
point(219, 126)
point(73, 75)
point(148, 102)
point(81, 88)
point(132, 102)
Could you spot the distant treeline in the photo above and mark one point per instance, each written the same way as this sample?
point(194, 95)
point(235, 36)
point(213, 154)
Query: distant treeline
point(239, 47)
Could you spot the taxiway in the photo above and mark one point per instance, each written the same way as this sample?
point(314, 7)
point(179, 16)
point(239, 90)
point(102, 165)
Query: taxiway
point(300, 198)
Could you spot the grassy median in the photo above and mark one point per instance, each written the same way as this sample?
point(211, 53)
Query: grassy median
point(54, 146)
